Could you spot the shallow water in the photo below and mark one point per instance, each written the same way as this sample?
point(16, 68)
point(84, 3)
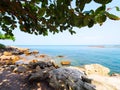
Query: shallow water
point(81, 55)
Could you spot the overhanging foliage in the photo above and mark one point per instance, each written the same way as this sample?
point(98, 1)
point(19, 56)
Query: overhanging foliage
point(43, 16)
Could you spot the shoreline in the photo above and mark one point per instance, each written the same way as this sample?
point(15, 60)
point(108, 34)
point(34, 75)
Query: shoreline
point(24, 51)
point(108, 57)
point(18, 61)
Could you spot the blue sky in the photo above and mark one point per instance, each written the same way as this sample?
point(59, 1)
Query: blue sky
point(108, 33)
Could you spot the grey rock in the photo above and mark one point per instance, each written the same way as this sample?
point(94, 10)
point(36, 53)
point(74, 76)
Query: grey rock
point(36, 76)
point(42, 65)
point(89, 86)
point(41, 70)
point(66, 78)
point(12, 67)
point(20, 69)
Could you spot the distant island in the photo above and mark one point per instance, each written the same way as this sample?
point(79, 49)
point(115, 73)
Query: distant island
point(105, 46)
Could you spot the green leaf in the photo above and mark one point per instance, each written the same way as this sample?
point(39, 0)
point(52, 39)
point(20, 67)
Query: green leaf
point(36, 33)
point(86, 20)
point(100, 9)
point(9, 36)
point(41, 12)
point(88, 1)
point(112, 17)
point(45, 33)
point(101, 18)
point(2, 46)
point(91, 23)
point(72, 32)
point(80, 4)
point(103, 1)
point(117, 8)
point(7, 20)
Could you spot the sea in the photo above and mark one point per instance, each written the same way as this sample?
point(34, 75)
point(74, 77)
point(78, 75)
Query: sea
point(79, 55)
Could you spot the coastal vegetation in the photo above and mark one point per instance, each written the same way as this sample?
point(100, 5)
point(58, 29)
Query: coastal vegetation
point(2, 46)
point(42, 16)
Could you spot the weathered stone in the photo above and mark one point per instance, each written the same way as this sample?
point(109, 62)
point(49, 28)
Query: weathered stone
point(39, 75)
point(36, 76)
point(7, 53)
point(35, 52)
point(41, 64)
point(41, 70)
point(105, 82)
point(68, 79)
point(12, 67)
point(96, 69)
point(89, 86)
point(27, 53)
point(20, 69)
point(65, 62)
point(38, 68)
point(33, 61)
point(60, 56)
point(42, 56)
point(9, 59)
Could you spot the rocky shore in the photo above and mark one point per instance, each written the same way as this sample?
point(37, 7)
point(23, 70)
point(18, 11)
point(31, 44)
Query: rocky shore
point(22, 69)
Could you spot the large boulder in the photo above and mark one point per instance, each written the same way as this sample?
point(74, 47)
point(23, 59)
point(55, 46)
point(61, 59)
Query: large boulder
point(8, 59)
point(66, 78)
point(7, 53)
point(96, 69)
point(41, 70)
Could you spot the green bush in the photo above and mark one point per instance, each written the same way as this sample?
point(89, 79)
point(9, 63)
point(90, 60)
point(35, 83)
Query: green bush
point(2, 46)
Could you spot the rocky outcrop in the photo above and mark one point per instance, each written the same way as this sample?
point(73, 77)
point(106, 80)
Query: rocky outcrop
point(105, 82)
point(95, 69)
point(59, 78)
point(16, 81)
point(8, 59)
point(13, 50)
point(100, 77)
point(65, 78)
point(7, 53)
point(41, 70)
point(20, 69)
point(35, 52)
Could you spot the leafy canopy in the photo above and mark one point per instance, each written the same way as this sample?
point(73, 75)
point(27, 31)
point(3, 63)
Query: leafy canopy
point(43, 16)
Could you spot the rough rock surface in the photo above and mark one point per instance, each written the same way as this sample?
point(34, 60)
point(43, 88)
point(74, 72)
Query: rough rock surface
point(20, 69)
point(96, 69)
point(13, 50)
point(65, 78)
point(41, 70)
point(14, 81)
point(105, 82)
point(7, 53)
point(8, 59)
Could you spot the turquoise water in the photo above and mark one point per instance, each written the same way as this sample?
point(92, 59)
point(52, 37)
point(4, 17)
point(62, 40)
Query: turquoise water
point(81, 55)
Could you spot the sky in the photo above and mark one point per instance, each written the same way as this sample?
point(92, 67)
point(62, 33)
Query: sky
point(107, 34)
